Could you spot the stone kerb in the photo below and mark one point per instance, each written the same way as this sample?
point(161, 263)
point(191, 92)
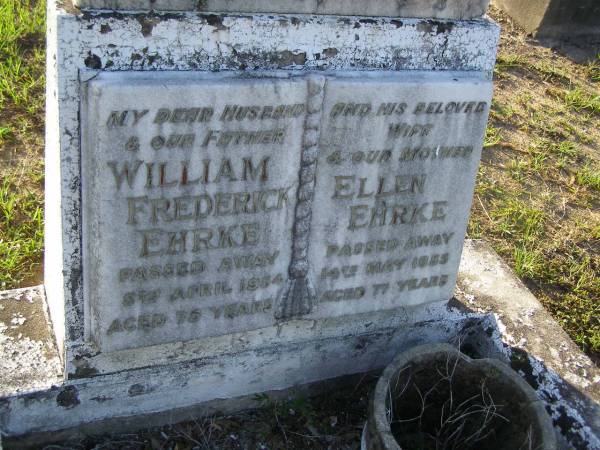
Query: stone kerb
point(433, 9)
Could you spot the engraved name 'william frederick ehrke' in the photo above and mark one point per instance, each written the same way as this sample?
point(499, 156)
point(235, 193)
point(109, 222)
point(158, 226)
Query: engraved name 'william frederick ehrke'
point(195, 183)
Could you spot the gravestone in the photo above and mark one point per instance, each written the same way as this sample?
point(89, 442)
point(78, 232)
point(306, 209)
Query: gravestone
point(242, 203)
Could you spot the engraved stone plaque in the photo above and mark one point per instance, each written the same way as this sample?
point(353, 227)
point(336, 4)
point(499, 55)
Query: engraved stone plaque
point(395, 176)
point(189, 192)
point(223, 203)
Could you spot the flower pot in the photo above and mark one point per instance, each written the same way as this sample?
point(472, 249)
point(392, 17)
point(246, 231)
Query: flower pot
point(435, 397)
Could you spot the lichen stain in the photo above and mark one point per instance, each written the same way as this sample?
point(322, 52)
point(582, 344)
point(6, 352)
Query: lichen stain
point(92, 62)
point(568, 425)
point(216, 21)
point(519, 361)
point(101, 399)
point(136, 389)
point(147, 24)
point(68, 398)
point(287, 58)
point(330, 52)
point(85, 371)
point(429, 26)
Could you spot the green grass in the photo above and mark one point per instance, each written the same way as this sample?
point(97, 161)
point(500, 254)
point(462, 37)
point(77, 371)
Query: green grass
point(538, 190)
point(21, 228)
point(589, 177)
point(21, 127)
point(21, 34)
point(593, 70)
point(492, 137)
point(579, 100)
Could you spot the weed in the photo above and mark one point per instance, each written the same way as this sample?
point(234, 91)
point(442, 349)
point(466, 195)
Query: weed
point(577, 100)
point(519, 220)
point(506, 61)
point(492, 136)
point(593, 70)
point(528, 262)
point(517, 168)
point(589, 178)
point(21, 225)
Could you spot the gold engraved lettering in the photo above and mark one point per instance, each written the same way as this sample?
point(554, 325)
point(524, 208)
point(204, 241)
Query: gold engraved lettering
point(450, 108)
point(255, 283)
point(144, 322)
point(430, 240)
point(200, 290)
point(260, 172)
point(439, 152)
point(363, 216)
point(191, 316)
point(404, 130)
point(250, 261)
point(347, 188)
point(155, 272)
point(361, 248)
point(198, 207)
point(372, 156)
point(173, 141)
point(336, 272)
point(387, 266)
point(260, 137)
point(380, 288)
point(159, 242)
point(413, 284)
point(125, 172)
point(337, 295)
point(430, 260)
point(121, 118)
point(239, 113)
point(141, 296)
point(350, 110)
point(234, 310)
point(387, 109)
point(183, 115)
point(171, 174)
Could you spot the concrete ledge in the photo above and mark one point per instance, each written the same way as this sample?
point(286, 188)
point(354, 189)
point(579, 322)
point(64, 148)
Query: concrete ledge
point(492, 315)
point(28, 355)
point(450, 9)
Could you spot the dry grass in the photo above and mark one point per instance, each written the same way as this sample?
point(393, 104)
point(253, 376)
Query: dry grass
point(538, 193)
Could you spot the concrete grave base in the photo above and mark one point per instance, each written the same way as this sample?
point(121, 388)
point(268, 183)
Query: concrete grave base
point(492, 315)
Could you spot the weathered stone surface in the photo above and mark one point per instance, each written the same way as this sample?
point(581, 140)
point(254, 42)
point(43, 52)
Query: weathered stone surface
point(395, 176)
point(189, 193)
point(153, 42)
point(494, 316)
point(28, 356)
point(189, 187)
point(445, 9)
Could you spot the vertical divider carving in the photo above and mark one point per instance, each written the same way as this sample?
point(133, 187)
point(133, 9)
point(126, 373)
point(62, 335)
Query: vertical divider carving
point(298, 296)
